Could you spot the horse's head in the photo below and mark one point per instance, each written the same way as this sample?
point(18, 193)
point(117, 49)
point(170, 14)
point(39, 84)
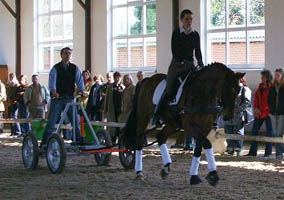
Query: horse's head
point(230, 91)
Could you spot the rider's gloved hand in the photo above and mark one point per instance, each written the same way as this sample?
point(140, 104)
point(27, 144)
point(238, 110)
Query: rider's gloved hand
point(200, 64)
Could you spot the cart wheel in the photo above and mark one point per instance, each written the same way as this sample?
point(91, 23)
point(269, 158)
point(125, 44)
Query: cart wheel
point(104, 138)
point(127, 159)
point(55, 154)
point(30, 152)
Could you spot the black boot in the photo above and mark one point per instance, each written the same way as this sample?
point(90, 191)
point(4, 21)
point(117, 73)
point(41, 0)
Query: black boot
point(162, 102)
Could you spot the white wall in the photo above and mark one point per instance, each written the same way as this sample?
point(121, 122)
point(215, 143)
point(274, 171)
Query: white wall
point(7, 36)
point(164, 33)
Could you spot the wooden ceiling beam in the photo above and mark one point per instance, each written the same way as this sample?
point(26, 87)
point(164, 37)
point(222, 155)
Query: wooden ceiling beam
point(8, 8)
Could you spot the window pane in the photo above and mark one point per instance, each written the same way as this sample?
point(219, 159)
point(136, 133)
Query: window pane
point(151, 52)
point(237, 12)
point(68, 26)
point(119, 2)
point(67, 5)
point(44, 28)
point(120, 53)
point(56, 54)
point(149, 0)
point(57, 26)
point(56, 5)
point(237, 43)
point(133, 0)
point(44, 58)
point(217, 47)
point(217, 13)
point(135, 20)
point(256, 47)
point(256, 12)
point(43, 6)
point(136, 52)
point(119, 21)
point(151, 19)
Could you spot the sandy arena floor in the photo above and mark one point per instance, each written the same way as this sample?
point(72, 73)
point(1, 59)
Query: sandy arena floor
point(241, 178)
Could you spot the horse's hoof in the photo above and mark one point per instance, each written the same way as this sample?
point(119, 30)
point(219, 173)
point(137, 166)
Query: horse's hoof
point(139, 176)
point(213, 178)
point(165, 171)
point(195, 180)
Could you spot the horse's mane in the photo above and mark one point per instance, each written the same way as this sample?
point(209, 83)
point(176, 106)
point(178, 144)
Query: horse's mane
point(213, 65)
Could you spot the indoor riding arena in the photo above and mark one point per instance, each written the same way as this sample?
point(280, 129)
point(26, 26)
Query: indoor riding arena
point(141, 99)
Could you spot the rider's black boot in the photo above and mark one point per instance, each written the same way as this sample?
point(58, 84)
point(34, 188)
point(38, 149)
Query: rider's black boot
point(162, 102)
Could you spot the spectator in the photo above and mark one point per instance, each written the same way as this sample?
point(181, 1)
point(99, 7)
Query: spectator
point(17, 97)
point(261, 113)
point(127, 98)
point(276, 109)
point(3, 97)
point(12, 85)
point(88, 84)
point(63, 77)
point(104, 87)
point(236, 124)
point(140, 77)
point(112, 104)
point(36, 98)
point(95, 100)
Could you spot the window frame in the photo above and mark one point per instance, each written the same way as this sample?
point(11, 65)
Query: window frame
point(227, 29)
point(52, 43)
point(128, 37)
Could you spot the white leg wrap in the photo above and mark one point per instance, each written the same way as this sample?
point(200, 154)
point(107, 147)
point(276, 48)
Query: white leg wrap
point(194, 166)
point(138, 160)
point(165, 154)
point(210, 159)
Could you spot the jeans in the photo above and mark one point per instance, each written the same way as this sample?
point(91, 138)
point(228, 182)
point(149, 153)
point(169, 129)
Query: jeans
point(37, 112)
point(24, 114)
point(255, 129)
point(13, 110)
point(278, 128)
point(235, 129)
point(56, 108)
point(189, 143)
point(1, 124)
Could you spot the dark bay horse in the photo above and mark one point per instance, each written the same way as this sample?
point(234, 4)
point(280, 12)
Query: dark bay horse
point(211, 85)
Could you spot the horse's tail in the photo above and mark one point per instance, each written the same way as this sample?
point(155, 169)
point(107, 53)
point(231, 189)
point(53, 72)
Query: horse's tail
point(131, 124)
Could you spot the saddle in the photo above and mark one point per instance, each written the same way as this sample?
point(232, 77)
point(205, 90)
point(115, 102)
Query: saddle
point(162, 86)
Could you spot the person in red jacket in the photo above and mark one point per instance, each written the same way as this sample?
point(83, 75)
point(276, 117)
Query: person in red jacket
point(261, 113)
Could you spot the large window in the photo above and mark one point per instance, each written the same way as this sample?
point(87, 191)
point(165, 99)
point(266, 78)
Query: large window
point(235, 31)
point(54, 25)
point(133, 34)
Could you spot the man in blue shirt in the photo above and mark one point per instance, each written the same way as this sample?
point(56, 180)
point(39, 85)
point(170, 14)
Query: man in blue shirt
point(62, 80)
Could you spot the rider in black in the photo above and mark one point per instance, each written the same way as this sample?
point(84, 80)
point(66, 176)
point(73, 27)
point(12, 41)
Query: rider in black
point(185, 40)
